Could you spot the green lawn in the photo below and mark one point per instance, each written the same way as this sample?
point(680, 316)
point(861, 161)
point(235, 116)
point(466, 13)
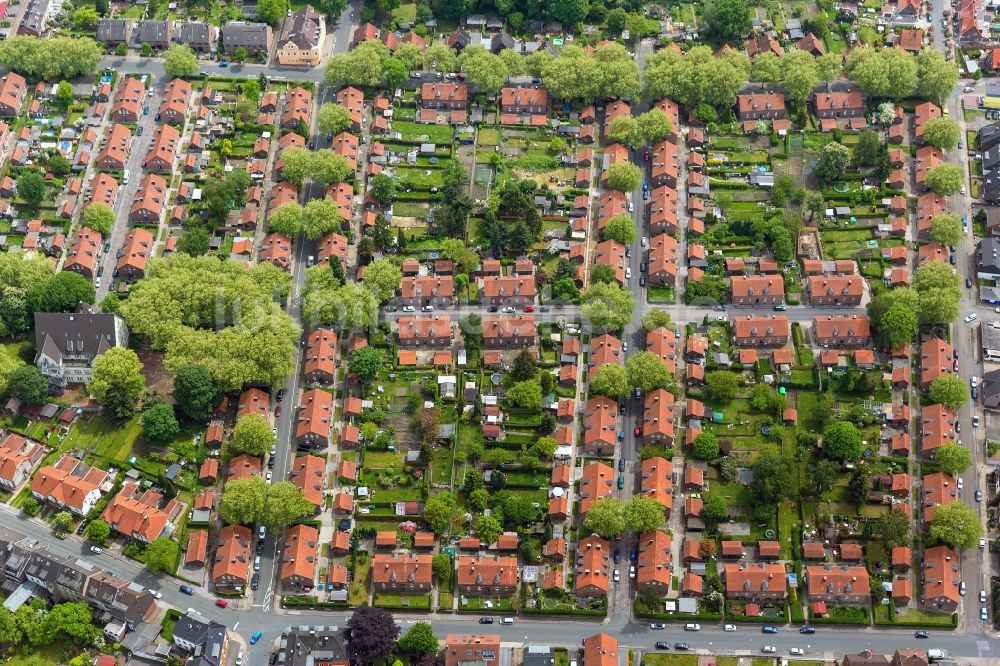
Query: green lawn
point(489, 136)
point(382, 459)
point(407, 12)
point(423, 179)
point(104, 438)
point(358, 594)
point(423, 132)
point(51, 655)
point(661, 659)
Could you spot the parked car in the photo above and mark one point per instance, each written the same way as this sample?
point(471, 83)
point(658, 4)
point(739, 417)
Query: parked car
point(485, 620)
point(796, 651)
point(657, 625)
point(662, 645)
point(767, 649)
point(921, 634)
point(692, 626)
point(255, 581)
point(96, 549)
point(681, 646)
point(81, 527)
point(621, 464)
point(729, 627)
point(621, 482)
point(807, 630)
point(187, 589)
point(256, 637)
point(156, 594)
point(221, 603)
point(769, 629)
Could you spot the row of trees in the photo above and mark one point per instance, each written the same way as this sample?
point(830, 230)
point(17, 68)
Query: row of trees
point(317, 218)
point(932, 299)
point(50, 58)
point(642, 370)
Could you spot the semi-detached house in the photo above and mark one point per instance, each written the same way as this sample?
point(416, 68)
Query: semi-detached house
point(314, 420)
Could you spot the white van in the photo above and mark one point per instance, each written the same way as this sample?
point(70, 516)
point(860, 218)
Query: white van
point(506, 620)
point(125, 177)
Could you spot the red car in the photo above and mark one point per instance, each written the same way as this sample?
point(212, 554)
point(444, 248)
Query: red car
point(221, 603)
point(637, 431)
point(277, 410)
point(529, 308)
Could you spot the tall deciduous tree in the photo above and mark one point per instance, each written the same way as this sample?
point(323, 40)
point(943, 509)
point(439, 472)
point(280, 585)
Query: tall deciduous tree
point(643, 514)
point(243, 501)
point(373, 632)
point(606, 518)
point(647, 371)
point(284, 505)
point(946, 229)
point(727, 20)
point(620, 228)
point(952, 458)
point(366, 363)
point(27, 383)
point(607, 306)
point(383, 277)
point(610, 380)
point(949, 390)
point(419, 638)
point(623, 176)
point(195, 394)
point(252, 436)
point(333, 118)
point(161, 554)
point(936, 75)
point(842, 441)
point(956, 524)
point(945, 179)
point(117, 382)
point(159, 423)
point(319, 218)
point(942, 132)
point(180, 60)
point(99, 217)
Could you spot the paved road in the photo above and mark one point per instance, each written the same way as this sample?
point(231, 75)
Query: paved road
point(127, 192)
point(265, 596)
point(828, 641)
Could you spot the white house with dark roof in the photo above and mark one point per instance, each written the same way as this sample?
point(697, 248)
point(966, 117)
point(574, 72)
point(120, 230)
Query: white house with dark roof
point(68, 343)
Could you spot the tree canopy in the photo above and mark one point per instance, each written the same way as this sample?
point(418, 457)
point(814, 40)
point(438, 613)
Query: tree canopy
point(956, 524)
point(194, 392)
point(117, 382)
point(620, 228)
point(373, 632)
point(949, 390)
point(945, 179)
point(607, 306)
point(252, 435)
point(219, 314)
point(842, 441)
point(610, 380)
point(180, 61)
point(953, 458)
point(50, 58)
point(623, 176)
point(942, 132)
point(696, 77)
point(159, 423)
